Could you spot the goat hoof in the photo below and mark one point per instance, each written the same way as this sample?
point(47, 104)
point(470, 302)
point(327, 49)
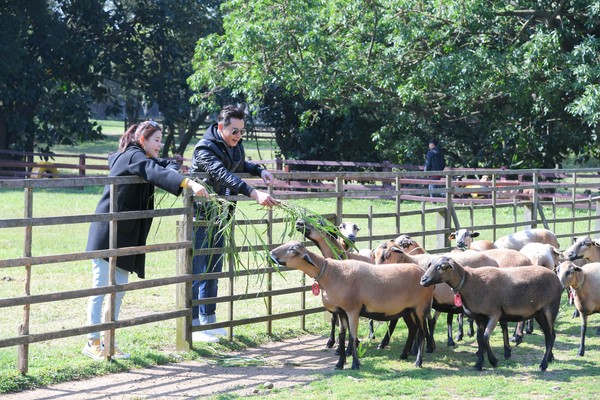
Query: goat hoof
point(575, 314)
point(459, 338)
point(478, 367)
point(451, 343)
point(517, 340)
point(598, 331)
point(380, 346)
point(403, 356)
point(329, 344)
point(339, 367)
point(507, 354)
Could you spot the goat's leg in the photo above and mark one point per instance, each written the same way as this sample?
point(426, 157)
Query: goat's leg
point(549, 336)
point(410, 338)
point(386, 339)
point(581, 350)
point(430, 325)
point(518, 334)
point(371, 330)
point(529, 329)
point(331, 340)
point(449, 318)
point(459, 321)
point(471, 331)
point(342, 339)
point(507, 350)
point(487, 334)
point(353, 339)
point(480, 346)
point(421, 334)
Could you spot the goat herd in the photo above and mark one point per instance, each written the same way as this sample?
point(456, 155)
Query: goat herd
point(517, 278)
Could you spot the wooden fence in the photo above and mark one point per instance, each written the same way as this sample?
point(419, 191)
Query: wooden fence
point(453, 204)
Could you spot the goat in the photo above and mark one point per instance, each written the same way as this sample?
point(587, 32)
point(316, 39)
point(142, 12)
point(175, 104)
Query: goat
point(349, 230)
point(519, 239)
point(443, 299)
point(509, 258)
point(352, 288)
point(542, 254)
point(584, 248)
point(389, 253)
point(327, 244)
point(409, 245)
point(584, 282)
point(464, 240)
point(492, 295)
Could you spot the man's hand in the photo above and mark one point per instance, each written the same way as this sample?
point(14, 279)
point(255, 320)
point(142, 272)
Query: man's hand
point(263, 198)
point(267, 177)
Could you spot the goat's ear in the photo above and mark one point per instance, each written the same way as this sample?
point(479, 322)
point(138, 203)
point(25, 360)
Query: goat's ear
point(474, 234)
point(452, 236)
point(396, 249)
point(576, 268)
point(574, 239)
point(307, 258)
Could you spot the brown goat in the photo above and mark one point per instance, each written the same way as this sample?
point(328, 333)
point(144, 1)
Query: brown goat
point(331, 247)
point(443, 299)
point(583, 248)
point(409, 245)
point(353, 288)
point(585, 283)
point(492, 295)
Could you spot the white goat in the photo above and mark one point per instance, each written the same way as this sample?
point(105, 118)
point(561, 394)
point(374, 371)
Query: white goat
point(517, 240)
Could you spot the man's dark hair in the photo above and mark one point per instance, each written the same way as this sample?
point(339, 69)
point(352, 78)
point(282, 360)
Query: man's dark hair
point(434, 141)
point(229, 112)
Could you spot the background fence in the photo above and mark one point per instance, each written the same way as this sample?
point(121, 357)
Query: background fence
point(563, 201)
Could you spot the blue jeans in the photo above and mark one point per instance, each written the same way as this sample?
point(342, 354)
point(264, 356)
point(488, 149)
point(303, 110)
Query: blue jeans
point(206, 263)
point(100, 270)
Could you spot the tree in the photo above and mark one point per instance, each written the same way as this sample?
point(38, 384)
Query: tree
point(152, 44)
point(501, 84)
point(46, 74)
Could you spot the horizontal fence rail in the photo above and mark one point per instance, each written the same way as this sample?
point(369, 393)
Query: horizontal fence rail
point(565, 201)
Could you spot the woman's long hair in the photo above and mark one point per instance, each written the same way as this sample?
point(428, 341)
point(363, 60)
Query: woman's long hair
point(135, 132)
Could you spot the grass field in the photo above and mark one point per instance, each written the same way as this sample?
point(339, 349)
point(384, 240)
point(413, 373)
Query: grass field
point(447, 373)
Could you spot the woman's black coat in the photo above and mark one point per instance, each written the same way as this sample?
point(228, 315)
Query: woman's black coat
point(136, 197)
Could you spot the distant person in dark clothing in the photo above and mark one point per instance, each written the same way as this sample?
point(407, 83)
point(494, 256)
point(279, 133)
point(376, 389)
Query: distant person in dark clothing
point(434, 161)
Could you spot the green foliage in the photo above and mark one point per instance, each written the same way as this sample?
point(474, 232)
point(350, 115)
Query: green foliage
point(46, 76)
point(501, 85)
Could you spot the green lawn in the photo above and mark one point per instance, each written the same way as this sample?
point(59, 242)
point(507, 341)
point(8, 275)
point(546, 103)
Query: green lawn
point(446, 373)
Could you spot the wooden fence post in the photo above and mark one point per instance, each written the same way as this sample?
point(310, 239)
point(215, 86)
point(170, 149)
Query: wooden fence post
point(23, 350)
point(444, 217)
point(109, 311)
point(183, 294)
point(82, 165)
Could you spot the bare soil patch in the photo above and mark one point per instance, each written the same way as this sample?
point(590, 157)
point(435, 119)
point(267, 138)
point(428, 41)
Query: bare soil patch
point(288, 363)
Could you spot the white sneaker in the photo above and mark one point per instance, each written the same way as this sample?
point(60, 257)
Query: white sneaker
point(217, 332)
point(204, 336)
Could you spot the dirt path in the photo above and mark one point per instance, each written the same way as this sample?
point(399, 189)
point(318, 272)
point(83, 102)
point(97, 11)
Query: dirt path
point(288, 363)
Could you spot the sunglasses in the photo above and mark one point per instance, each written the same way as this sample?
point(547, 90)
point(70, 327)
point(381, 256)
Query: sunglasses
point(152, 123)
point(238, 132)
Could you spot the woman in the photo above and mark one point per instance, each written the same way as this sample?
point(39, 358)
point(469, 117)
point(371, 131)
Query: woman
point(137, 156)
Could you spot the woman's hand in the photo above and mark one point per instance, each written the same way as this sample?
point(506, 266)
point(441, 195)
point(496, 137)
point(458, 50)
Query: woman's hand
point(198, 189)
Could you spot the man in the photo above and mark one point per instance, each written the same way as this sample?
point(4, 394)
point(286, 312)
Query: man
point(220, 153)
point(434, 161)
